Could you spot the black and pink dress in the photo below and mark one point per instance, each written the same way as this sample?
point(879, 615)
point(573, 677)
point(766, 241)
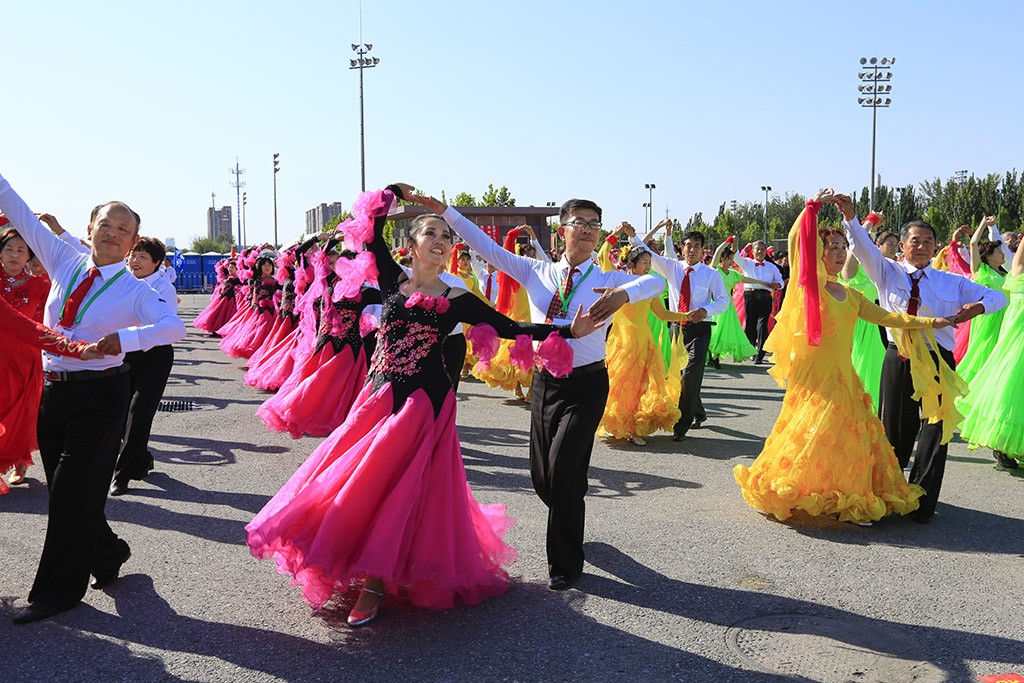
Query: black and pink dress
point(385, 495)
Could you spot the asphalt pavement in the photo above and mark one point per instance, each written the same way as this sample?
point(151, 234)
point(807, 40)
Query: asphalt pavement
point(683, 580)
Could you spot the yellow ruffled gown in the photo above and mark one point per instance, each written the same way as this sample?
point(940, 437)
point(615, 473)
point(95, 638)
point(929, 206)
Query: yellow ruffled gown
point(828, 453)
point(502, 373)
point(644, 394)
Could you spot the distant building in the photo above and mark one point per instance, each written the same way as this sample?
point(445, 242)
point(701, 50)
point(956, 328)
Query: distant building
point(218, 222)
point(317, 217)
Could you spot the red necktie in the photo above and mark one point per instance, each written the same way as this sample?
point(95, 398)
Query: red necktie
point(555, 307)
point(490, 278)
point(684, 293)
point(76, 298)
point(915, 294)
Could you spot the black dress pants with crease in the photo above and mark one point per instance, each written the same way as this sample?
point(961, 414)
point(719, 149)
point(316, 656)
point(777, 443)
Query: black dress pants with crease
point(564, 415)
point(79, 431)
point(901, 418)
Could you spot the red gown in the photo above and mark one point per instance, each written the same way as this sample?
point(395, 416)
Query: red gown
point(21, 373)
point(20, 336)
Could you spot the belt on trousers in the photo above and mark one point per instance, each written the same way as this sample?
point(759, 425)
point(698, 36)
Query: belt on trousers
point(83, 375)
point(581, 371)
point(756, 291)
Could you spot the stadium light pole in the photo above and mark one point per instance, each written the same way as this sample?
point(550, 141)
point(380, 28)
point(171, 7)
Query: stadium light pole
point(767, 189)
point(874, 81)
point(276, 169)
point(362, 62)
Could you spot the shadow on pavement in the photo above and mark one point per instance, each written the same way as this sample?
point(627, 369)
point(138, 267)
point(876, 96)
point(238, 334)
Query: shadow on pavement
point(636, 584)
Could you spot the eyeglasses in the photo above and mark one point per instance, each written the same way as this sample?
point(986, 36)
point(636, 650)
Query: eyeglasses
point(579, 224)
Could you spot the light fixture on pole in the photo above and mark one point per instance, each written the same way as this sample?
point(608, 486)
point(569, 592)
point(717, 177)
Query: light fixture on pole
point(276, 169)
point(362, 62)
point(649, 218)
point(767, 189)
point(245, 232)
point(238, 184)
point(875, 89)
point(899, 211)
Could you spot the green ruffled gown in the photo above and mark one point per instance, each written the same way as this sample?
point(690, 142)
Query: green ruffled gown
point(868, 349)
point(994, 409)
point(984, 328)
point(727, 336)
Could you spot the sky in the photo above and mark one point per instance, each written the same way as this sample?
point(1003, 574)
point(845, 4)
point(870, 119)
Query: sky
point(151, 103)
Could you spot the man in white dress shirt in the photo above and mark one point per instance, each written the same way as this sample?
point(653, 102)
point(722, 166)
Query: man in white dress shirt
point(84, 403)
point(699, 291)
point(564, 411)
point(757, 299)
point(912, 286)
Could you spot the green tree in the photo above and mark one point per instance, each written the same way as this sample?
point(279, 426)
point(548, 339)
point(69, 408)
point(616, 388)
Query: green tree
point(464, 199)
point(221, 245)
point(499, 197)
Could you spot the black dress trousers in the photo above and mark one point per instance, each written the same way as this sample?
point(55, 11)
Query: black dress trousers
point(758, 306)
point(147, 375)
point(564, 415)
point(901, 418)
point(79, 431)
point(697, 337)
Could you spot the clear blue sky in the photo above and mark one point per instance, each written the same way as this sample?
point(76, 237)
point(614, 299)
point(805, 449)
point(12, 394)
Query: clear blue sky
point(151, 102)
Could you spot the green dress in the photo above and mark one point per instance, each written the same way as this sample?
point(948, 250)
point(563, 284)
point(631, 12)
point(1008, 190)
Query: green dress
point(984, 328)
point(993, 410)
point(868, 349)
point(727, 335)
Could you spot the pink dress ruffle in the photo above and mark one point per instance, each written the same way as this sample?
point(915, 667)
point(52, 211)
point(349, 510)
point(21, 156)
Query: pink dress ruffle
point(274, 367)
point(317, 397)
point(283, 326)
point(239, 321)
point(216, 315)
point(386, 496)
point(249, 337)
point(273, 374)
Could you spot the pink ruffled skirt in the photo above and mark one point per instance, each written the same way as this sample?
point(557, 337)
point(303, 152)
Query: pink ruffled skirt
point(275, 365)
point(386, 496)
point(318, 394)
point(283, 325)
point(249, 337)
point(216, 315)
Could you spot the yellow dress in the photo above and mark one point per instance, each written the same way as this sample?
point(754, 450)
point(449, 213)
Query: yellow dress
point(471, 285)
point(644, 394)
point(502, 373)
point(828, 453)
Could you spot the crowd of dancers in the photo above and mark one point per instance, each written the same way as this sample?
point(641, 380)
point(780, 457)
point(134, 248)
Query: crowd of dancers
point(610, 337)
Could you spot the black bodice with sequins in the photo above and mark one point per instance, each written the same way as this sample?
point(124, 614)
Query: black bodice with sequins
point(227, 287)
point(340, 328)
point(409, 341)
point(263, 295)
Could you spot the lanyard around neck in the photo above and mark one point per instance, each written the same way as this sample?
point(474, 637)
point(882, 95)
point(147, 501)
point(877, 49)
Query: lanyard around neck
point(83, 309)
point(572, 292)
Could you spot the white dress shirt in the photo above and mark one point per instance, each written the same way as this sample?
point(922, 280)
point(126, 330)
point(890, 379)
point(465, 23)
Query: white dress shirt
point(128, 306)
point(942, 293)
point(543, 280)
point(707, 289)
point(765, 271)
point(163, 287)
point(493, 279)
point(168, 273)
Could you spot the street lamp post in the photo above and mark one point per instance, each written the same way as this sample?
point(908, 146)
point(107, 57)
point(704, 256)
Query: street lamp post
point(649, 218)
point(362, 62)
point(647, 209)
point(874, 81)
point(245, 232)
point(276, 169)
point(767, 189)
point(238, 184)
point(899, 211)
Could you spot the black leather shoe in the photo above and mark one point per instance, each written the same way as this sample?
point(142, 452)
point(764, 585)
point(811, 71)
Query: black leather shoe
point(919, 518)
point(1005, 461)
point(35, 612)
point(679, 437)
point(561, 583)
point(101, 582)
point(118, 488)
point(698, 422)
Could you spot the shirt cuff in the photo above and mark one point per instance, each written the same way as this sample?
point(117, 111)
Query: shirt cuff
point(129, 338)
